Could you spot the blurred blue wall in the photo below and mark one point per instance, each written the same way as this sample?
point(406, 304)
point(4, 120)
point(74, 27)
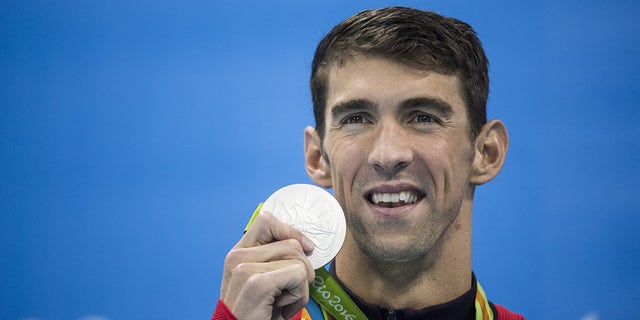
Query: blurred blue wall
point(137, 137)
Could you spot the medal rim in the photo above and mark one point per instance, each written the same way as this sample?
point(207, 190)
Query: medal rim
point(287, 195)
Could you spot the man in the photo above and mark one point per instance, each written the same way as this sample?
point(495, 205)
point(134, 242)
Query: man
point(401, 136)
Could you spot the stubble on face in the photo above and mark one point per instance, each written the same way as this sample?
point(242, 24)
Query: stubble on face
point(402, 241)
point(420, 236)
point(399, 241)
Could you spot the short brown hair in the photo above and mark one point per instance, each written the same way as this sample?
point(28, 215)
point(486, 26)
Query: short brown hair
point(420, 39)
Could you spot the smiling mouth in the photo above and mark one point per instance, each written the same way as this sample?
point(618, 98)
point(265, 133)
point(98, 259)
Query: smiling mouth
point(395, 199)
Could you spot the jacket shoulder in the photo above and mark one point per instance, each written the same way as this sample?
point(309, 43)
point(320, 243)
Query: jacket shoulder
point(502, 313)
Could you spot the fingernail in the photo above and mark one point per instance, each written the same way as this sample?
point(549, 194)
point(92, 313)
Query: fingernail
point(307, 244)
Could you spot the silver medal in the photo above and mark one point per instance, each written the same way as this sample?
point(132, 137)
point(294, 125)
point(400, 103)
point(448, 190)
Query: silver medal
point(314, 212)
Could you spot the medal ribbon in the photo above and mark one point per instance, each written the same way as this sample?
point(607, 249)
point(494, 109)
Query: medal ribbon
point(483, 309)
point(326, 291)
point(333, 300)
point(253, 216)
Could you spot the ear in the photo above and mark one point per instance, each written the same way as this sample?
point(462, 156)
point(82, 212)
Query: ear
point(316, 165)
point(491, 146)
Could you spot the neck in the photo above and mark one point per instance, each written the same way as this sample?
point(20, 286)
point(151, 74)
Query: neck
point(441, 276)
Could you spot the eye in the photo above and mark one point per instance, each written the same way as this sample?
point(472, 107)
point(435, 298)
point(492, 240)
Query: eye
point(424, 118)
point(355, 118)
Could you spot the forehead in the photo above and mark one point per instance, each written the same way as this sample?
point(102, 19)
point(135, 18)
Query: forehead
point(386, 82)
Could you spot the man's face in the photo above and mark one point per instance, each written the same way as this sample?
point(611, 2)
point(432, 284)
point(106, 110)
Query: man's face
point(398, 150)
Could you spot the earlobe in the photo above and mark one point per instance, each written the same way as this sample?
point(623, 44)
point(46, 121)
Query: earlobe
point(491, 147)
point(317, 167)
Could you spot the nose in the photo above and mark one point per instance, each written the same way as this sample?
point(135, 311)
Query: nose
point(391, 151)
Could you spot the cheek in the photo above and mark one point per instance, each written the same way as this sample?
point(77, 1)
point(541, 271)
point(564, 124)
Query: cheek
point(451, 150)
point(345, 161)
point(344, 153)
point(448, 162)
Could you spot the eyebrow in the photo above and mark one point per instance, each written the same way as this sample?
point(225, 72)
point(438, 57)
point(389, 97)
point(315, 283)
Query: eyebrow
point(349, 106)
point(345, 107)
point(443, 108)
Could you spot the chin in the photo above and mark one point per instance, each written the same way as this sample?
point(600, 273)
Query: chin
point(393, 251)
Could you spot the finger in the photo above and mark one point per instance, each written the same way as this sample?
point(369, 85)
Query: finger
point(267, 287)
point(295, 296)
point(281, 250)
point(290, 303)
point(246, 275)
point(266, 228)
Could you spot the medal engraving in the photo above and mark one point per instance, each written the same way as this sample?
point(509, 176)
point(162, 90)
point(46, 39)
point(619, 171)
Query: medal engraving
point(314, 212)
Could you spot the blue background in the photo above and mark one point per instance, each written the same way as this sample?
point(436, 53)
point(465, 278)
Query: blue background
point(137, 137)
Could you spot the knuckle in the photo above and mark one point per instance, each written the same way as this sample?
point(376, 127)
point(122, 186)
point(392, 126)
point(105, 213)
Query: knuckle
point(233, 258)
point(292, 245)
point(264, 217)
point(256, 281)
point(243, 270)
point(299, 268)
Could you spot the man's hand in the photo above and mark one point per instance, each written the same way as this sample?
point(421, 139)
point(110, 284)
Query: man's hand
point(267, 274)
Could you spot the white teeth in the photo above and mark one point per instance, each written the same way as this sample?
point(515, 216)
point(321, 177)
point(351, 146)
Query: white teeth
point(404, 196)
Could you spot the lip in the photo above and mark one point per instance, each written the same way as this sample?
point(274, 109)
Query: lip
point(387, 213)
